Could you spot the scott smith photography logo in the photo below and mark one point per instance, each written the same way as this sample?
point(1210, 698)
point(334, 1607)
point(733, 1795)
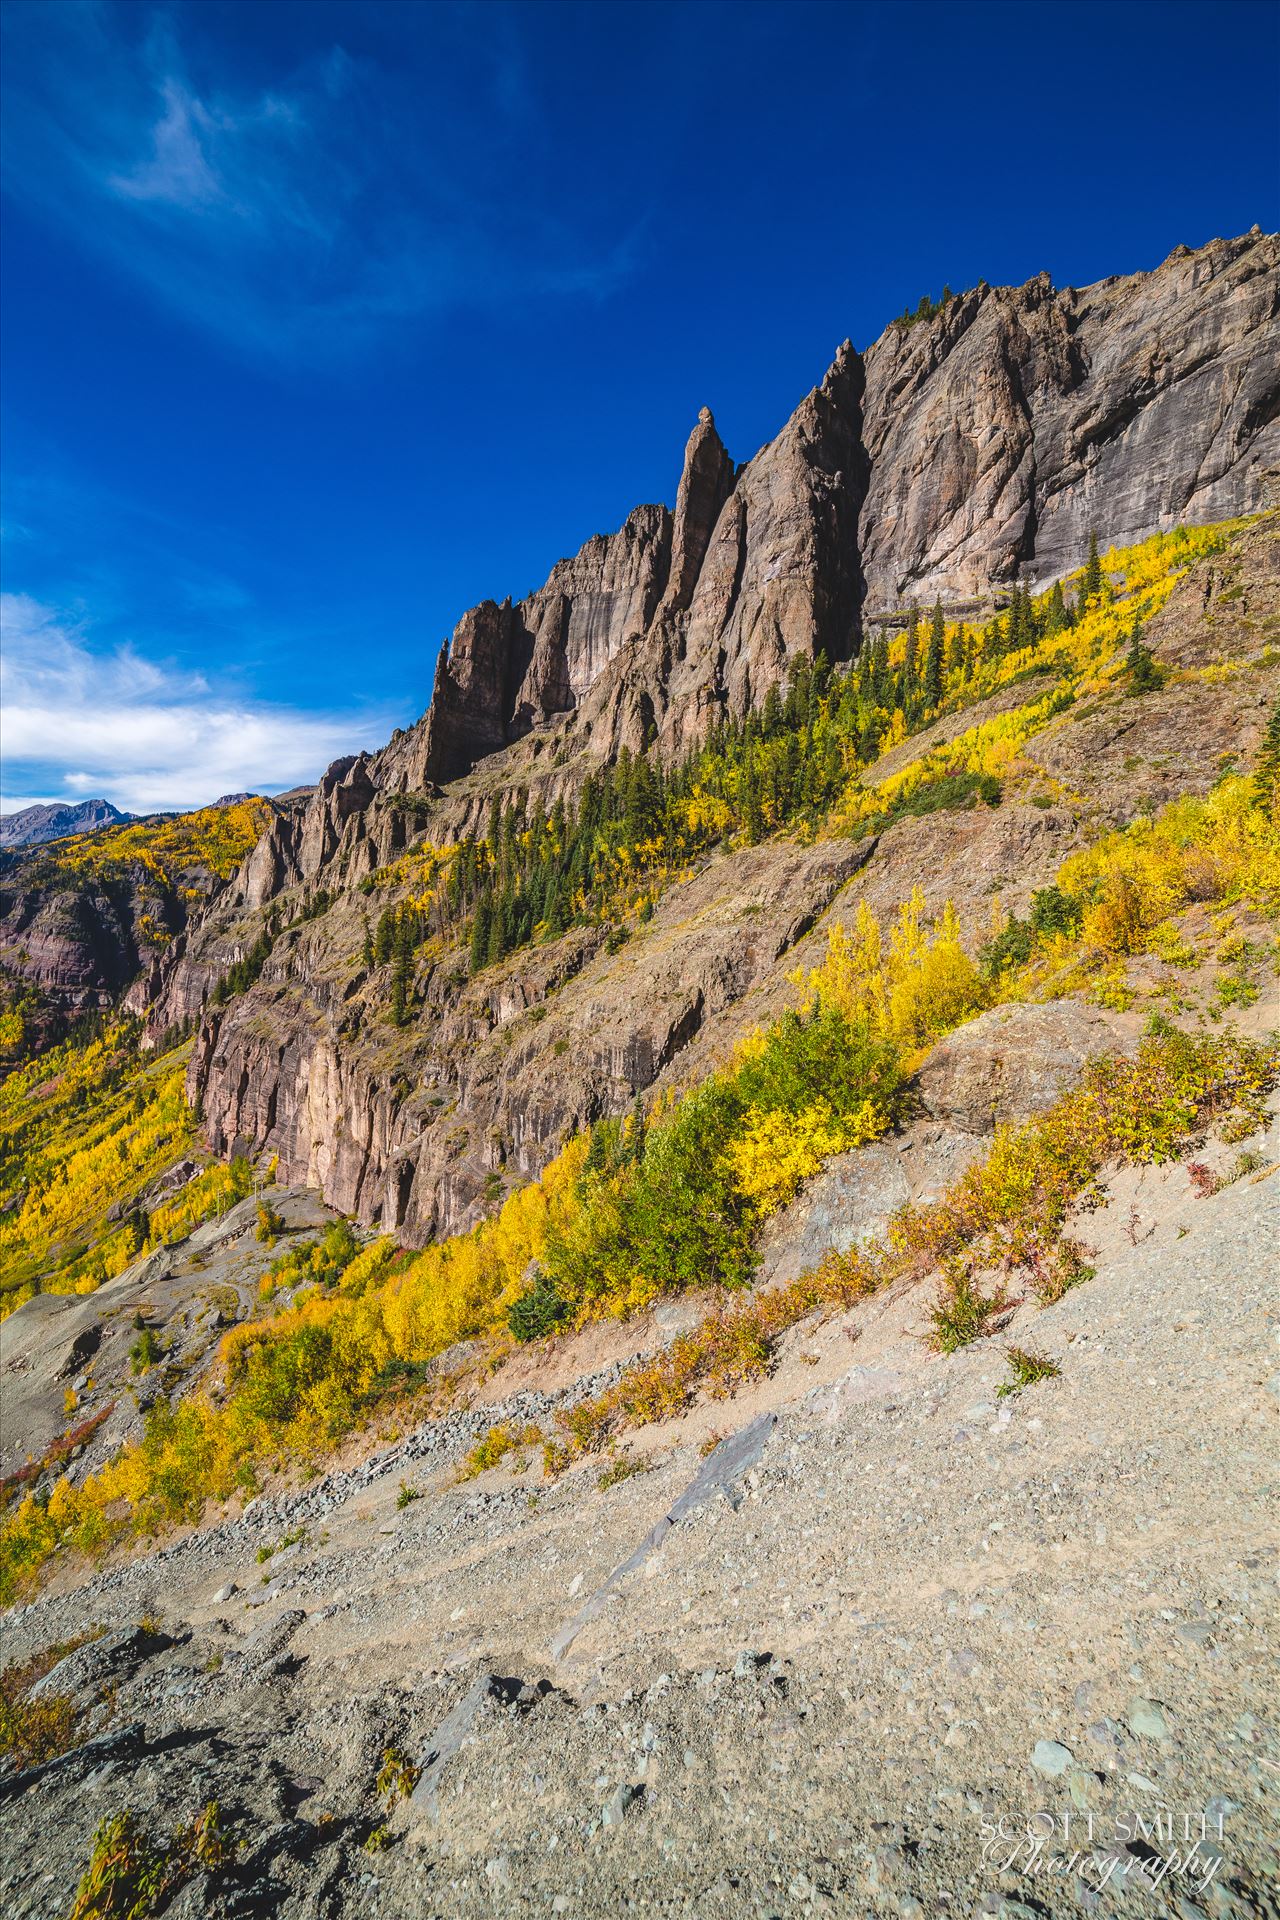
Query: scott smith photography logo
point(1106, 1850)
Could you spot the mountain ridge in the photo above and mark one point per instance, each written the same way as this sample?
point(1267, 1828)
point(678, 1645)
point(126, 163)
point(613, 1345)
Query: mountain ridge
point(969, 450)
point(57, 820)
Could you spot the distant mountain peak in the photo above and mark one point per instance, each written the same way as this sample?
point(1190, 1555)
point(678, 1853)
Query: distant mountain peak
point(33, 826)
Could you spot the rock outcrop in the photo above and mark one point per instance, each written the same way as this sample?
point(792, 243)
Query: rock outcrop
point(1000, 432)
point(958, 453)
point(1014, 1062)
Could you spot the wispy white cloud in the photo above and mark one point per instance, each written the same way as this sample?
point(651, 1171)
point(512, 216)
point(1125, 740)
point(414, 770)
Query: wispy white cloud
point(150, 737)
point(178, 170)
point(299, 219)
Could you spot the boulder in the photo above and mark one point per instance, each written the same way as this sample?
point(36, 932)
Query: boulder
point(849, 1201)
point(1014, 1061)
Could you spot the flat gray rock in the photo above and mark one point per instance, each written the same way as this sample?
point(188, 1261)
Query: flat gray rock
point(730, 1460)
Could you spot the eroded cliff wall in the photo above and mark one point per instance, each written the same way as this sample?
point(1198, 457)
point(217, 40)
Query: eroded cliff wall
point(957, 454)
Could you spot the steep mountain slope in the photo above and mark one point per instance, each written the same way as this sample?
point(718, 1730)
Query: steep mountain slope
point(420, 1127)
point(85, 921)
point(838, 1665)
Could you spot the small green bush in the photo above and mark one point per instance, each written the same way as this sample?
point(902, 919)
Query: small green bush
point(130, 1877)
point(962, 1312)
point(538, 1311)
point(270, 1223)
point(623, 1466)
point(1027, 1370)
point(145, 1351)
point(1052, 912)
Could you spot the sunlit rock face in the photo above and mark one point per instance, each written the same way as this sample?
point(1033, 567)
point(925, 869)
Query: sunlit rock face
point(958, 453)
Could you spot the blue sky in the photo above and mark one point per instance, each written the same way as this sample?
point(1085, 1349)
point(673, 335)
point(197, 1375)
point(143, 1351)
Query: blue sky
point(324, 321)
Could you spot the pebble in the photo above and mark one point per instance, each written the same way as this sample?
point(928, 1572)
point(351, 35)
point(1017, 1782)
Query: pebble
point(1198, 1633)
point(1085, 1787)
point(620, 1803)
point(1146, 1721)
point(1051, 1758)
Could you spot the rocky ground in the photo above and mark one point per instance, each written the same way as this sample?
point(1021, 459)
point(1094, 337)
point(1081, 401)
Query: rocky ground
point(851, 1652)
point(66, 1359)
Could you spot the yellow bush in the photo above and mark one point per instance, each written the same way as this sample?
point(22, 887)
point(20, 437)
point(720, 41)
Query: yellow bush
point(1221, 848)
point(456, 1288)
point(779, 1151)
point(921, 988)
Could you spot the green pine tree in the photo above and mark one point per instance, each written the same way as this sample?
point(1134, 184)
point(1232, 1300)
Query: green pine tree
point(501, 929)
point(401, 970)
point(1091, 581)
point(1145, 675)
point(480, 931)
point(1058, 617)
point(386, 937)
point(139, 1228)
point(597, 1158)
point(881, 678)
point(931, 685)
point(907, 683)
point(636, 1132)
point(1266, 776)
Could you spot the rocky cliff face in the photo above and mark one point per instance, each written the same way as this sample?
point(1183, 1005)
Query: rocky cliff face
point(421, 1129)
point(72, 945)
point(957, 454)
point(1000, 432)
point(499, 1070)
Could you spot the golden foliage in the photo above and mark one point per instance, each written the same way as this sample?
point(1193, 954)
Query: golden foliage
point(779, 1150)
point(922, 987)
point(169, 847)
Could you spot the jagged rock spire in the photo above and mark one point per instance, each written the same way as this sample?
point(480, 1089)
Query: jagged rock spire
point(705, 484)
